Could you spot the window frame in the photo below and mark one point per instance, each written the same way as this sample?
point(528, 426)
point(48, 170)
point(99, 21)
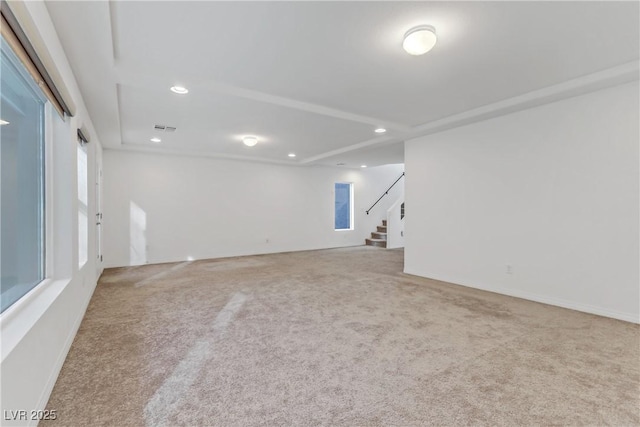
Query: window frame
point(351, 206)
point(43, 217)
point(21, 46)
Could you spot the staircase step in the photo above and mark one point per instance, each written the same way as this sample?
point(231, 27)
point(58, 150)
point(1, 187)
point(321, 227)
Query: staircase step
point(384, 222)
point(379, 235)
point(376, 242)
point(382, 228)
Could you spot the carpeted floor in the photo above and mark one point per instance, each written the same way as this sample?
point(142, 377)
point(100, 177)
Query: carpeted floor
point(336, 337)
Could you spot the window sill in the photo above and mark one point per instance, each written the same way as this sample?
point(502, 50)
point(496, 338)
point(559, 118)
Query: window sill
point(17, 320)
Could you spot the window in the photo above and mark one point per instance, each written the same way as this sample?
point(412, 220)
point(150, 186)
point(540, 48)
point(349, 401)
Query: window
point(343, 206)
point(83, 205)
point(22, 254)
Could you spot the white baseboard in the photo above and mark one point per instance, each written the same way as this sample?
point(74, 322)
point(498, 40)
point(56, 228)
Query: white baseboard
point(62, 356)
point(558, 302)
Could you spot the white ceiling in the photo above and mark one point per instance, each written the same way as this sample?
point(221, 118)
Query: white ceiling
point(316, 78)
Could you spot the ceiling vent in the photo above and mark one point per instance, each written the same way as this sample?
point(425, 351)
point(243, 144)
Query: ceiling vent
point(165, 128)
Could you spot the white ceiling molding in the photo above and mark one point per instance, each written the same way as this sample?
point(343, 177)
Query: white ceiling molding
point(129, 76)
point(112, 31)
point(582, 85)
point(200, 153)
point(317, 78)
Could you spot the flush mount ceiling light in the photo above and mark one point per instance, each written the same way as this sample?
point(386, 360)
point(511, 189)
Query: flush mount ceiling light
point(292, 154)
point(419, 40)
point(363, 166)
point(3, 122)
point(155, 139)
point(250, 141)
point(380, 130)
point(180, 90)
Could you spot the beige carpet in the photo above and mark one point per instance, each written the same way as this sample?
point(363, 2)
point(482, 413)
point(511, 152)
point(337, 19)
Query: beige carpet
point(337, 338)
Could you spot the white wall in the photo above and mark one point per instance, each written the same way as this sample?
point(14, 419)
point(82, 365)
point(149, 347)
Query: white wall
point(551, 191)
point(162, 208)
point(38, 330)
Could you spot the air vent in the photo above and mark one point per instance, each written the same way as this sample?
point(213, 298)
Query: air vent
point(165, 128)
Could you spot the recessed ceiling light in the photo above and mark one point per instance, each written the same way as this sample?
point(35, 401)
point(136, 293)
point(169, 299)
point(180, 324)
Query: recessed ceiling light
point(380, 130)
point(419, 40)
point(292, 154)
point(3, 122)
point(363, 166)
point(180, 90)
point(154, 139)
point(250, 141)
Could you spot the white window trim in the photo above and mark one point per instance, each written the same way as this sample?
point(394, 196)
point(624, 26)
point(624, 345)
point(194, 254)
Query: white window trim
point(351, 206)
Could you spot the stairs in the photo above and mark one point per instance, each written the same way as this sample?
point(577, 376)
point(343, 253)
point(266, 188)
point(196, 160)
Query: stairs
point(378, 237)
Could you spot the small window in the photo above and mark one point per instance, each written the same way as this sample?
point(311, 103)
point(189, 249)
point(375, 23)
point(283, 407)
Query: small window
point(344, 206)
point(83, 206)
point(22, 180)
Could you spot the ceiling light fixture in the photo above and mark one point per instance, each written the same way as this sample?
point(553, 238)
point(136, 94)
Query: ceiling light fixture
point(250, 141)
point(292, 154)
point(419, 40)
point(363, 166)
point(154, 139)
point(180, 90)
point(380, 130)
point(3, 122)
